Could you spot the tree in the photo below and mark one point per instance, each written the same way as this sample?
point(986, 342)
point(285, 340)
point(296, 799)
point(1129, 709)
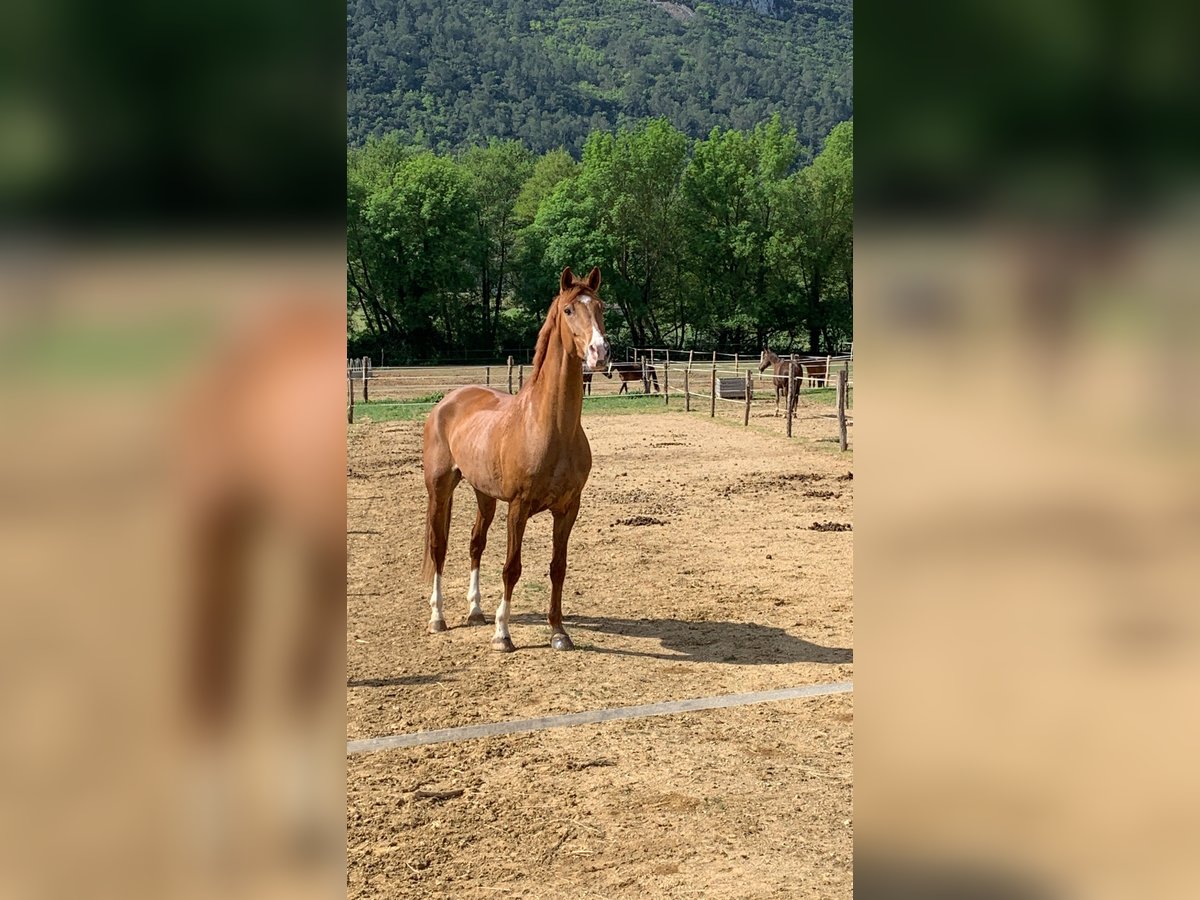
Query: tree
point(411, 243)
point(723, 242)
point(621, 213)
point(813, 248)
point(731, 191)
point(498, 173)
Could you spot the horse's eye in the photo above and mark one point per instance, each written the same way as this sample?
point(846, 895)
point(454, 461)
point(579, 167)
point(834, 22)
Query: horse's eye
point(569, 311)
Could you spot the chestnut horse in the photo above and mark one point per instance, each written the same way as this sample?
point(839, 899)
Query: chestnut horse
point(781, 369)
point(528, 450)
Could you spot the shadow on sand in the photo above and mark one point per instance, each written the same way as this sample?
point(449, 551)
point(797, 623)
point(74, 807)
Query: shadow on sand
point(398, 681)
point(738, 643)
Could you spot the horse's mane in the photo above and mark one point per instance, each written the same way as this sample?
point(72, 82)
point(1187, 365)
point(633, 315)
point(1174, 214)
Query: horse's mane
point(543, 339)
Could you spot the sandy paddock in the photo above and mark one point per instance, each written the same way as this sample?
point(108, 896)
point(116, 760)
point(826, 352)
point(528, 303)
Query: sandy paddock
point(695, 570)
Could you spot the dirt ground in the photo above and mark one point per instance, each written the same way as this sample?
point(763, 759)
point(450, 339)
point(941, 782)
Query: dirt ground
point(695, 569)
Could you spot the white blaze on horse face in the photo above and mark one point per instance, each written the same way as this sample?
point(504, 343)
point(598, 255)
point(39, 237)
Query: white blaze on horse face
point(597, 349)
point(435, 600)
point(474, 595)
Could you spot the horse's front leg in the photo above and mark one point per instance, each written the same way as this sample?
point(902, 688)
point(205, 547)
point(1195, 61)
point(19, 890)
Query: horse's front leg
point(518, 515)
point(563, 523)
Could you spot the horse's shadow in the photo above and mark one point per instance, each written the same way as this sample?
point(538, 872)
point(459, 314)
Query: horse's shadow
point(736, 643)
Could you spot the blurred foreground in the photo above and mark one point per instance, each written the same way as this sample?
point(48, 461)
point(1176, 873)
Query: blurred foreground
point(172, 548)
point(1028, 636)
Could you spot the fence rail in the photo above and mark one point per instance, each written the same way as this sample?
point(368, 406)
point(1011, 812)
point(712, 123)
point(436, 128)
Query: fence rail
point(696, 358)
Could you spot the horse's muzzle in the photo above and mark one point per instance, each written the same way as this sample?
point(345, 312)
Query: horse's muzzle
point(597, 355)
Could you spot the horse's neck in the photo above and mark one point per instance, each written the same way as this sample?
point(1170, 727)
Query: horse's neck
point(556, 391)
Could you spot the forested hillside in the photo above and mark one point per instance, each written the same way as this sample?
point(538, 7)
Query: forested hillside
point(449, 73)
point(728, 241)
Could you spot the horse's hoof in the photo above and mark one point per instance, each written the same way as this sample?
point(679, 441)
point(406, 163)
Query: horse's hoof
point(476, 619)
point(562, 641)
point(437, 626)
point(503, 645)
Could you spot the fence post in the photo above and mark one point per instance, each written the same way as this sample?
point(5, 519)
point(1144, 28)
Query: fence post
point(841, 404)
point(667, 382)
point(349, 396)
point(791, 400)
point(520, 376)
point(746, 418)
point(645, 377)
point(691, 353)
point(687, 394)
point(735, 363)
point(510, 365)
point(487, 375)
point(714, 359)
point(826, 383)
point(365, 365)
point(712, 408)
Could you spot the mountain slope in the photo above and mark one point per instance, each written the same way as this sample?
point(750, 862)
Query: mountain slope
point(462, 71)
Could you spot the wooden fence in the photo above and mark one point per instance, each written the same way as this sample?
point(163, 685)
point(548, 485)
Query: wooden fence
point(688, 378)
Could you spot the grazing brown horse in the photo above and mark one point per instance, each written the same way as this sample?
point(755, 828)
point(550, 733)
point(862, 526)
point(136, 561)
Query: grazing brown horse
point(781, 369)
point(632, 371)
point(528, 450)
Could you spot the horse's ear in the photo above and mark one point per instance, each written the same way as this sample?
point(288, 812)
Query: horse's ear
point(568, 279)
point(593, 279)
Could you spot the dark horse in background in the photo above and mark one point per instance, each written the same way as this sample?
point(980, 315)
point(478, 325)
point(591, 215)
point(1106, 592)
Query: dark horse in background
point(632, 371)
point(782, 368)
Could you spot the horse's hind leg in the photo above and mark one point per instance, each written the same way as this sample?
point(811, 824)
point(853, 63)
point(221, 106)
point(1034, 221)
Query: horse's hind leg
point(437, 535)
point(563, 523)
point(517, 516)
point(483, 521)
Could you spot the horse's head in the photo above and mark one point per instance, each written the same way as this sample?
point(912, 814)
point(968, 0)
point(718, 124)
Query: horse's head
point(581, 319)
point(765, 360)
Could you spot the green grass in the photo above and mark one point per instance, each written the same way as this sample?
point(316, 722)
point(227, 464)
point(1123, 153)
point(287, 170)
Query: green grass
point(418, 408)
point(390, 412)
point(104, 352)
point(629, 403)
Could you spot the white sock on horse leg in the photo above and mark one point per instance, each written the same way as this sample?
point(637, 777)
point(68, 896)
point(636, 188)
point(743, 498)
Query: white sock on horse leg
point(435, 600)
point(502, 620)
point(473, 594)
